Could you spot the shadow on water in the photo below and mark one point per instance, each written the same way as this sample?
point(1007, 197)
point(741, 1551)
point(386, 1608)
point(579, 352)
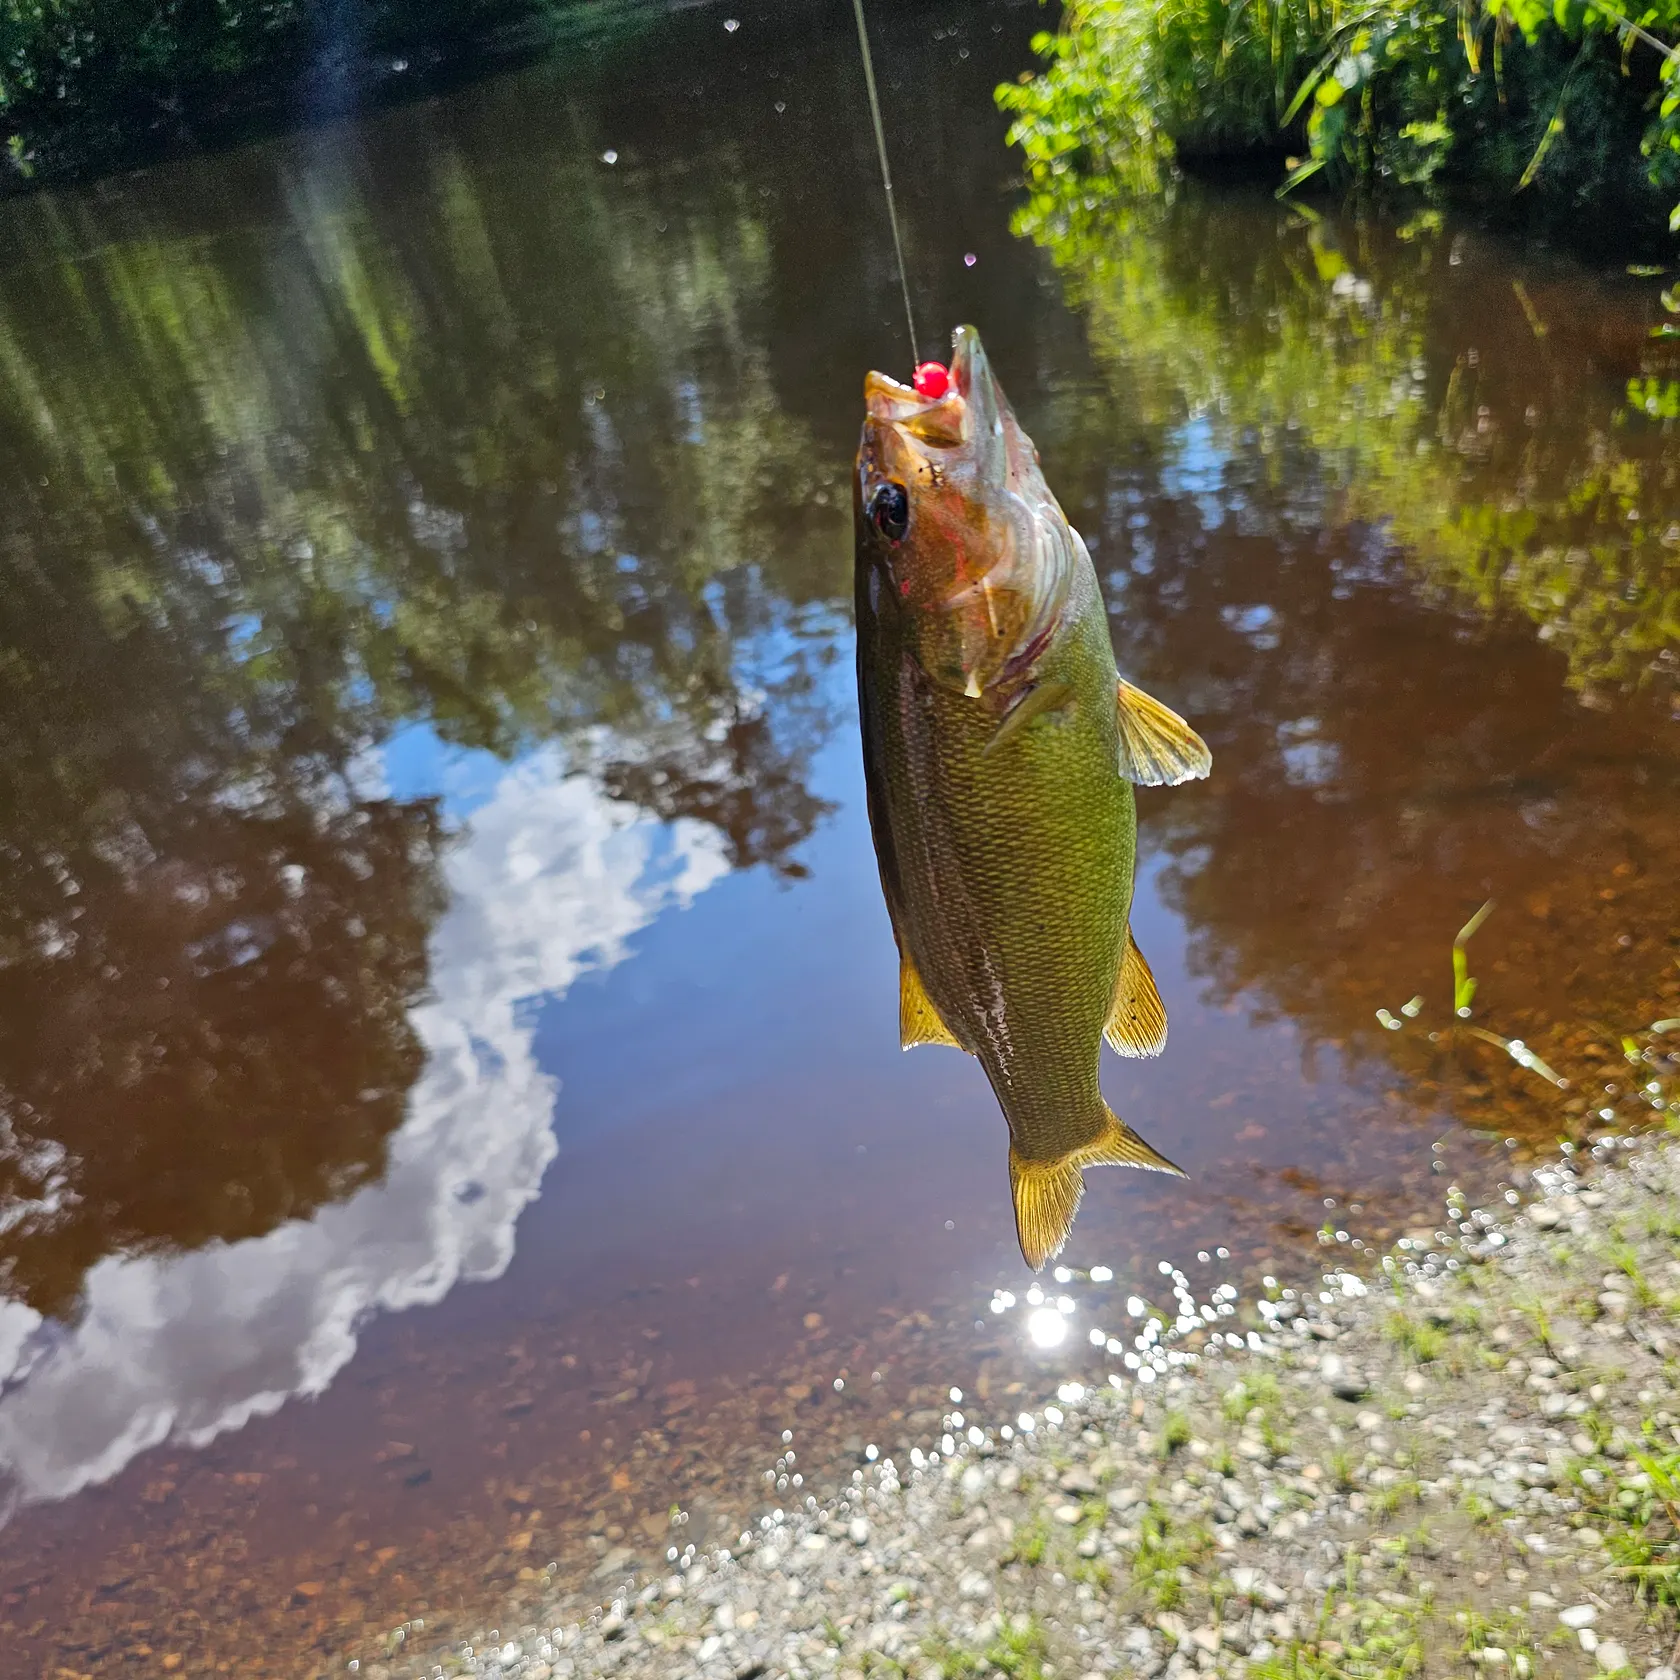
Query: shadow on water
point(430, 809)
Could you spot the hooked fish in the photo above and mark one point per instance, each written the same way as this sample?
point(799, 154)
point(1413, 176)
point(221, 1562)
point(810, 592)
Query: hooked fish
point(1000, 748)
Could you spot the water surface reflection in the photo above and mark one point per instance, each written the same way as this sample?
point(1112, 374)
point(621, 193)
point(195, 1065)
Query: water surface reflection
point(433, 837)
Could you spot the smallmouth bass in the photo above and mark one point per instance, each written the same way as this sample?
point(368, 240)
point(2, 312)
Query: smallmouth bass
point(1000, 746)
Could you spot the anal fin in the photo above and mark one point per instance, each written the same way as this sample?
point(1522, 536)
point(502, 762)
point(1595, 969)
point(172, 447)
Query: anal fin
point(1047, 1192)
point(1157, 747)
point(1137, 1024)
point(918, 1021)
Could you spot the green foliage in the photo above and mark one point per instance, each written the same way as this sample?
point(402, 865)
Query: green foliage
point(84, 80)
point(1480, 1509)
point(1018, 1652)
point(1386, 1501)
point(1561, 101)
point(1316, 340)
point(1625, 1258)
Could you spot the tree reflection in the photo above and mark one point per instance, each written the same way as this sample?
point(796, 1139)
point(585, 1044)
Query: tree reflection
point(1505, 428)
point(326, 451)
point(1349, 479)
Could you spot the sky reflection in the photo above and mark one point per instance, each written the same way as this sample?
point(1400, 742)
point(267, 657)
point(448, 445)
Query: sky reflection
point(550, 880)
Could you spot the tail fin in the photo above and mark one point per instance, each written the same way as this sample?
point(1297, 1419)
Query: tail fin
point(1047, 1192)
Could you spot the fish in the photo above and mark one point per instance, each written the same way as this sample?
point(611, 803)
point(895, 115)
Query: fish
point(1000, 747)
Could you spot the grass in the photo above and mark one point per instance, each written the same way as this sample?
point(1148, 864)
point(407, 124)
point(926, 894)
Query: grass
point(1175, 1433)
point(1480, 1509)
point(1259, 1389)
point(1663, 1223)
point(1625, 1258)
point(1162, 1552)
point(1642, 1525)
point(1019, 1653)
point(1424, 1343)
point(1372, 1642)
point(1093, 1571)
point(1507, 1633)
point(1540, 1321)
point(1032, 1540)
point(1257, 1399)
point(1386, 1501)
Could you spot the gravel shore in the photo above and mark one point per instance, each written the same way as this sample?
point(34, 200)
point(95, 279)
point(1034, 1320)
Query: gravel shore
point(1458, 1461)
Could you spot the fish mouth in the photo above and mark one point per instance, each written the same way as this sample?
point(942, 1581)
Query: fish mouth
point(936, 422)
point(916, 439)
point(945, 422)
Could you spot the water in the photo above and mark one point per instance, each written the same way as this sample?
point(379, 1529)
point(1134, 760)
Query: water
point(452, 1104)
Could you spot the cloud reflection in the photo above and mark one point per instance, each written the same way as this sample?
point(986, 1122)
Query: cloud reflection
point(553, 879)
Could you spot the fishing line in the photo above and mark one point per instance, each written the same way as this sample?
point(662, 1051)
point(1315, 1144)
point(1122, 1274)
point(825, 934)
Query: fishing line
point(886, 173)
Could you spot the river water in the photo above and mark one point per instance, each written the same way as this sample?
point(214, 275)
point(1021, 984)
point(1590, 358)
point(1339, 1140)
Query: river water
point(451, 1112)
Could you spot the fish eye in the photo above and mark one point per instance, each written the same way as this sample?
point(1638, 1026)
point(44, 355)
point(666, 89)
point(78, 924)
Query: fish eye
point(889, 507)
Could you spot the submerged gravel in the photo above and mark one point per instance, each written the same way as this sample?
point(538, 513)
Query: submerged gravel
point(1436, 1468)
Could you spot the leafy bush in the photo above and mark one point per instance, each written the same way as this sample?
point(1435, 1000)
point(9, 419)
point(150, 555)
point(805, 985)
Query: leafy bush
point(1569, 103)
point(83, 79)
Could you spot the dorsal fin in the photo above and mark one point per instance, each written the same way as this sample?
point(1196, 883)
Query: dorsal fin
point(1137, 1025)
point(1157, 747)
point(1047, 1192)
point(918, 1021)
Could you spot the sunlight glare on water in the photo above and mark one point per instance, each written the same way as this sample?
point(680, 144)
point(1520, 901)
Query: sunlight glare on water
point(1047, 1327)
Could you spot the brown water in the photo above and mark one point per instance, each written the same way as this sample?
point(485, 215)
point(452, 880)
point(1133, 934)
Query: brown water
point(452, 1108)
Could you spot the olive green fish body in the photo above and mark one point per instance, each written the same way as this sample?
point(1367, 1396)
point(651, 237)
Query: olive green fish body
point(1000, 746)
point(1011, 870)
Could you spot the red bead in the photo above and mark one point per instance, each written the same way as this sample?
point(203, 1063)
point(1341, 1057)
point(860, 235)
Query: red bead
point(932, 380)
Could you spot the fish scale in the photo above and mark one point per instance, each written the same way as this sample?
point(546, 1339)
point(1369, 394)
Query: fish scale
point(1014, 876)
point(996, 731)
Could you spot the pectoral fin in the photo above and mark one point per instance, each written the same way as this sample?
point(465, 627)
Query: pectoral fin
point(918, 1021)
point(1137, 1025)
point(1036, 702)
point(1047, 1192)
point(1157, 747)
